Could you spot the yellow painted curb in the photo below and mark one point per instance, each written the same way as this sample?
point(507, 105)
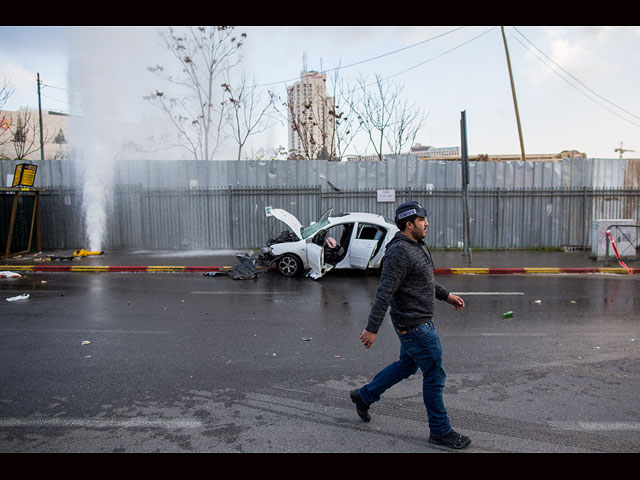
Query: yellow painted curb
point(469, 270)
point(88, 268)
point(164, 269)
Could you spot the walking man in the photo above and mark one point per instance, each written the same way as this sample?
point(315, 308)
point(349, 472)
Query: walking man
point(408, 287)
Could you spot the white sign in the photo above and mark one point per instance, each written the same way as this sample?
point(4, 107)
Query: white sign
point(386, 195)
point(267, 211)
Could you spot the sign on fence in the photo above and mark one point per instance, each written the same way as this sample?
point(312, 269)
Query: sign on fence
point(386, 195)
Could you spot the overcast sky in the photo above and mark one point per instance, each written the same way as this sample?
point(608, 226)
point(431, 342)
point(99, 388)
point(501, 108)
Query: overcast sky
point(577, 87)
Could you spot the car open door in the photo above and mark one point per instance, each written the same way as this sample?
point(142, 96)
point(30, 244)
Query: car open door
point(364, 245)
point(361, 252)
point(315, 258)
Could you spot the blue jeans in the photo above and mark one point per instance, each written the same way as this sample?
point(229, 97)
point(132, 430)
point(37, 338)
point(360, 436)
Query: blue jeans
point(419, 348)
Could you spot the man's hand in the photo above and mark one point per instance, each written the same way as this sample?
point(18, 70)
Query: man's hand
point(456, 301)
point(367, 338)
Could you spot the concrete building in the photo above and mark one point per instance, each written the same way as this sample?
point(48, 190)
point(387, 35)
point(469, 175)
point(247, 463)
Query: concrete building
point(311, 118)
point(26, 124)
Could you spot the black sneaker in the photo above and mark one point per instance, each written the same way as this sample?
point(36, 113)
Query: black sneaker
point(361, 407)
point(451, 440)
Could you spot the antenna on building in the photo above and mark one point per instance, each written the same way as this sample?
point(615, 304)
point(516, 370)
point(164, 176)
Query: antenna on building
point(304, 61)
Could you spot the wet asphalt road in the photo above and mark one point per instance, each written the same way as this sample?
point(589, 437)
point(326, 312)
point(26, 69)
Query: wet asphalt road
point(181, 362)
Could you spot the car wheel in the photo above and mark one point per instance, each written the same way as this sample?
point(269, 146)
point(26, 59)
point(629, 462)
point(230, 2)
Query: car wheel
point(289, 265)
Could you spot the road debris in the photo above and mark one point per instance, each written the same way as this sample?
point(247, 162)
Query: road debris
point(85, 342)
point(508, 314)
point(24, 296)
point(245, 270)
point(6, 274)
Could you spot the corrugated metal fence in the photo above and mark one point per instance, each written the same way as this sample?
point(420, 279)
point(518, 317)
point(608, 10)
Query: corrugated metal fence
point(400, 172)
point(234, 217)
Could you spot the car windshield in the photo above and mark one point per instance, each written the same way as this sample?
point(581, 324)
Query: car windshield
point(313, 228)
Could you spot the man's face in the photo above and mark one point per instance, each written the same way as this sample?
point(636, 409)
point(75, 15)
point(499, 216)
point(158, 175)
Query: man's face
point(418, 229)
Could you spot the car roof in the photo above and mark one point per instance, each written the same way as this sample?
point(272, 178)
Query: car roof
point(355, 216)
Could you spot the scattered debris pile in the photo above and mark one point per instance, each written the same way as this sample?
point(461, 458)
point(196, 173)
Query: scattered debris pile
point(245, 269)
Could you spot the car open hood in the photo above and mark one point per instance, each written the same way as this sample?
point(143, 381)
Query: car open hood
point(292, 222)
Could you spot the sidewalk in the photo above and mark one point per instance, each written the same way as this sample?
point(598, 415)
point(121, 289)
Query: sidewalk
point(446, 262)
point(529, 261)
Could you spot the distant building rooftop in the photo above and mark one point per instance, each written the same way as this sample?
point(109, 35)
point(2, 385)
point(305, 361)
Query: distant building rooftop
point(453, 153)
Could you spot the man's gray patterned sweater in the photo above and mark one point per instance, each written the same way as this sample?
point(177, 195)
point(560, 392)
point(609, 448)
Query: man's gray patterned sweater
point(407, 285)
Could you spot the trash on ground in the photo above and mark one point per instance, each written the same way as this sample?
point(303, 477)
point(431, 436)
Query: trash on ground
point(24, 296)
point(60, 258)
point(508, 314)
point(85, 342)
point(213, 274)
point(6, 274)
point(306, 339)
point(538, 301)
point(246, 269)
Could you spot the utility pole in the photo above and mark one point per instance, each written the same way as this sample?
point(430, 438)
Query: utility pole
point(513, 92)
point(40, 114)
point(464, 156)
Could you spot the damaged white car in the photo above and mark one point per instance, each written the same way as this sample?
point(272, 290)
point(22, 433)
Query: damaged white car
point(343, 240)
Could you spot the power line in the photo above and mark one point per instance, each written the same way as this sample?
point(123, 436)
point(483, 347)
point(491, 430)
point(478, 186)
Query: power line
point(372, 58)
point(428, 60)
point(52, 98)
point(576, 79)
point(441, 54)
point(58, 88)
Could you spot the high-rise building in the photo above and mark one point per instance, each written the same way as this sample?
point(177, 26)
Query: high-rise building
point(311, 117)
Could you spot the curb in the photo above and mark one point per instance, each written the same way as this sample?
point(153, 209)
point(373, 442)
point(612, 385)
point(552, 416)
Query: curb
point(536, 270)
point(98, 268)
point(201, 269)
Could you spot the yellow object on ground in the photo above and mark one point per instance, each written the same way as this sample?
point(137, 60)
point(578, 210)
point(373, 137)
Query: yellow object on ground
point(84, 253)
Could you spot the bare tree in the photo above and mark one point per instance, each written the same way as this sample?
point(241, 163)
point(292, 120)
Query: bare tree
point(402, 132)
point(346, 125)
point(385, 116)
point(203, 53)
point(303, 121)
point(6, 119)
point(309, 113)
point(5, 92)
point(5, 123)
point(25, 135)
point(249, 114)
point(375, 110)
